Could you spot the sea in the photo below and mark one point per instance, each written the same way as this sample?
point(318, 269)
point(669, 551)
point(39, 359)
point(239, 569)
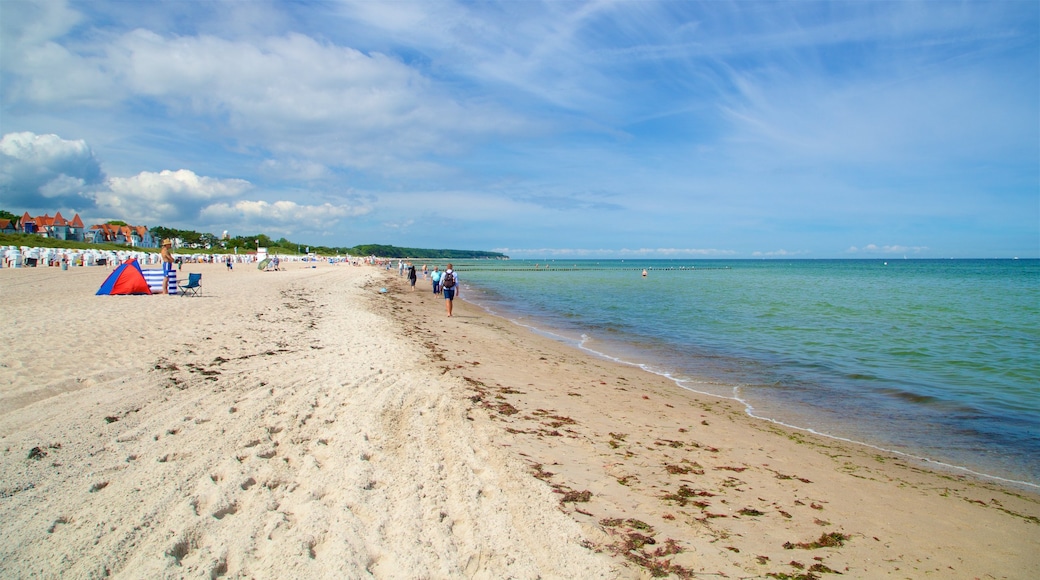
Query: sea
point(937, 360)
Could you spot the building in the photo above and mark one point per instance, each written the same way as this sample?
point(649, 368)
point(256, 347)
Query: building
point(59, 228)
point(55, 228)
point(136, 236)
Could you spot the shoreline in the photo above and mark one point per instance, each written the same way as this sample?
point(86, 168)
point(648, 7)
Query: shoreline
point(749, 410)
point(775, 408)
point(301, 423)
point(853, 465)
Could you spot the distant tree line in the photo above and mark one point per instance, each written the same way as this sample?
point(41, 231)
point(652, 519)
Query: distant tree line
point(282, 245)
point(243, 244)
point(395, 252)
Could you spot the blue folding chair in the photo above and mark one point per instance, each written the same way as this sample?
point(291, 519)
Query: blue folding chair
point(193, 286)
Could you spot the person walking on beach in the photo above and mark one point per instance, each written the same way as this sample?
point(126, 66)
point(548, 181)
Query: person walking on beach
point(435, 278)
point(167, 264)
point(411, 276)
point(450, 287)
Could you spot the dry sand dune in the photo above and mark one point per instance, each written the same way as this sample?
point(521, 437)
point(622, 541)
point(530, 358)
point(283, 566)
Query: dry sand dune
point(302, 424)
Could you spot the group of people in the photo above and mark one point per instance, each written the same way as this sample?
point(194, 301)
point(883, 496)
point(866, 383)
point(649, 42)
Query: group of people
point(444, 283)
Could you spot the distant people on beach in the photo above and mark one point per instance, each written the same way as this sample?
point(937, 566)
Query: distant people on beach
point(167, 264)
point(411, 276)
point(435, 278)
point(449, 286)
point(229, 266)
point(425, 273)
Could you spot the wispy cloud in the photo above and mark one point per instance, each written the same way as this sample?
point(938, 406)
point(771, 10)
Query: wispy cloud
point(582, 253)
point(599, 125)
point(887, 249)
point(780, 254)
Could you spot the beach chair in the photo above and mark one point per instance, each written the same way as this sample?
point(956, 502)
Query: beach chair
point(193, 285)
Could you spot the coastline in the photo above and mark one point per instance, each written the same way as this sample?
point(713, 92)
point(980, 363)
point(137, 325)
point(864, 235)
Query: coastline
point(751, 411)
point(303, 423)
point(696, 471)
point(938, 400)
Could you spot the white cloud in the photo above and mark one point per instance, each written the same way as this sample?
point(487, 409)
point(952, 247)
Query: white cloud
point(182, 183)
point(887, 249)
point(60, 186)
point(32, 24)
point(44, 150)
point(165, 197)
point(298, 96)
point(289, 94)
point(779, 254)
point(46, 171)
point(44, 70)
point(279, 217)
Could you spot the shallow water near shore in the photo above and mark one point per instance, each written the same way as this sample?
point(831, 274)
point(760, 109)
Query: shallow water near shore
point(938, 359)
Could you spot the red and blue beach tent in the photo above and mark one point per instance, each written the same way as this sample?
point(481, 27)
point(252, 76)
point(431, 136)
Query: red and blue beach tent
point(126, 279)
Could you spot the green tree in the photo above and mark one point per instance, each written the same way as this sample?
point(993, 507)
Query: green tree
point(6, 215)
point(209, 240)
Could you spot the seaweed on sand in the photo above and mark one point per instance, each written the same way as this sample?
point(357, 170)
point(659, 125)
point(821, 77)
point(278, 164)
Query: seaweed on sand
point(683, 495)
point(828, 540)
point(576, 496)
point(631, 546)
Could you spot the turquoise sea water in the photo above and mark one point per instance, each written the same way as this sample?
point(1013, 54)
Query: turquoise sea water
point(938, 359)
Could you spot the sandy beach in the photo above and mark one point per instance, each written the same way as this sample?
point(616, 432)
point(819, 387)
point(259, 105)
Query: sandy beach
point(303, 424)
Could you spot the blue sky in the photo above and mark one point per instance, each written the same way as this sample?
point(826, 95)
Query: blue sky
point(538, 129)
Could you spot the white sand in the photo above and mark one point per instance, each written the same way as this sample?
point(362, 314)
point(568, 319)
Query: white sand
point(271, 428)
